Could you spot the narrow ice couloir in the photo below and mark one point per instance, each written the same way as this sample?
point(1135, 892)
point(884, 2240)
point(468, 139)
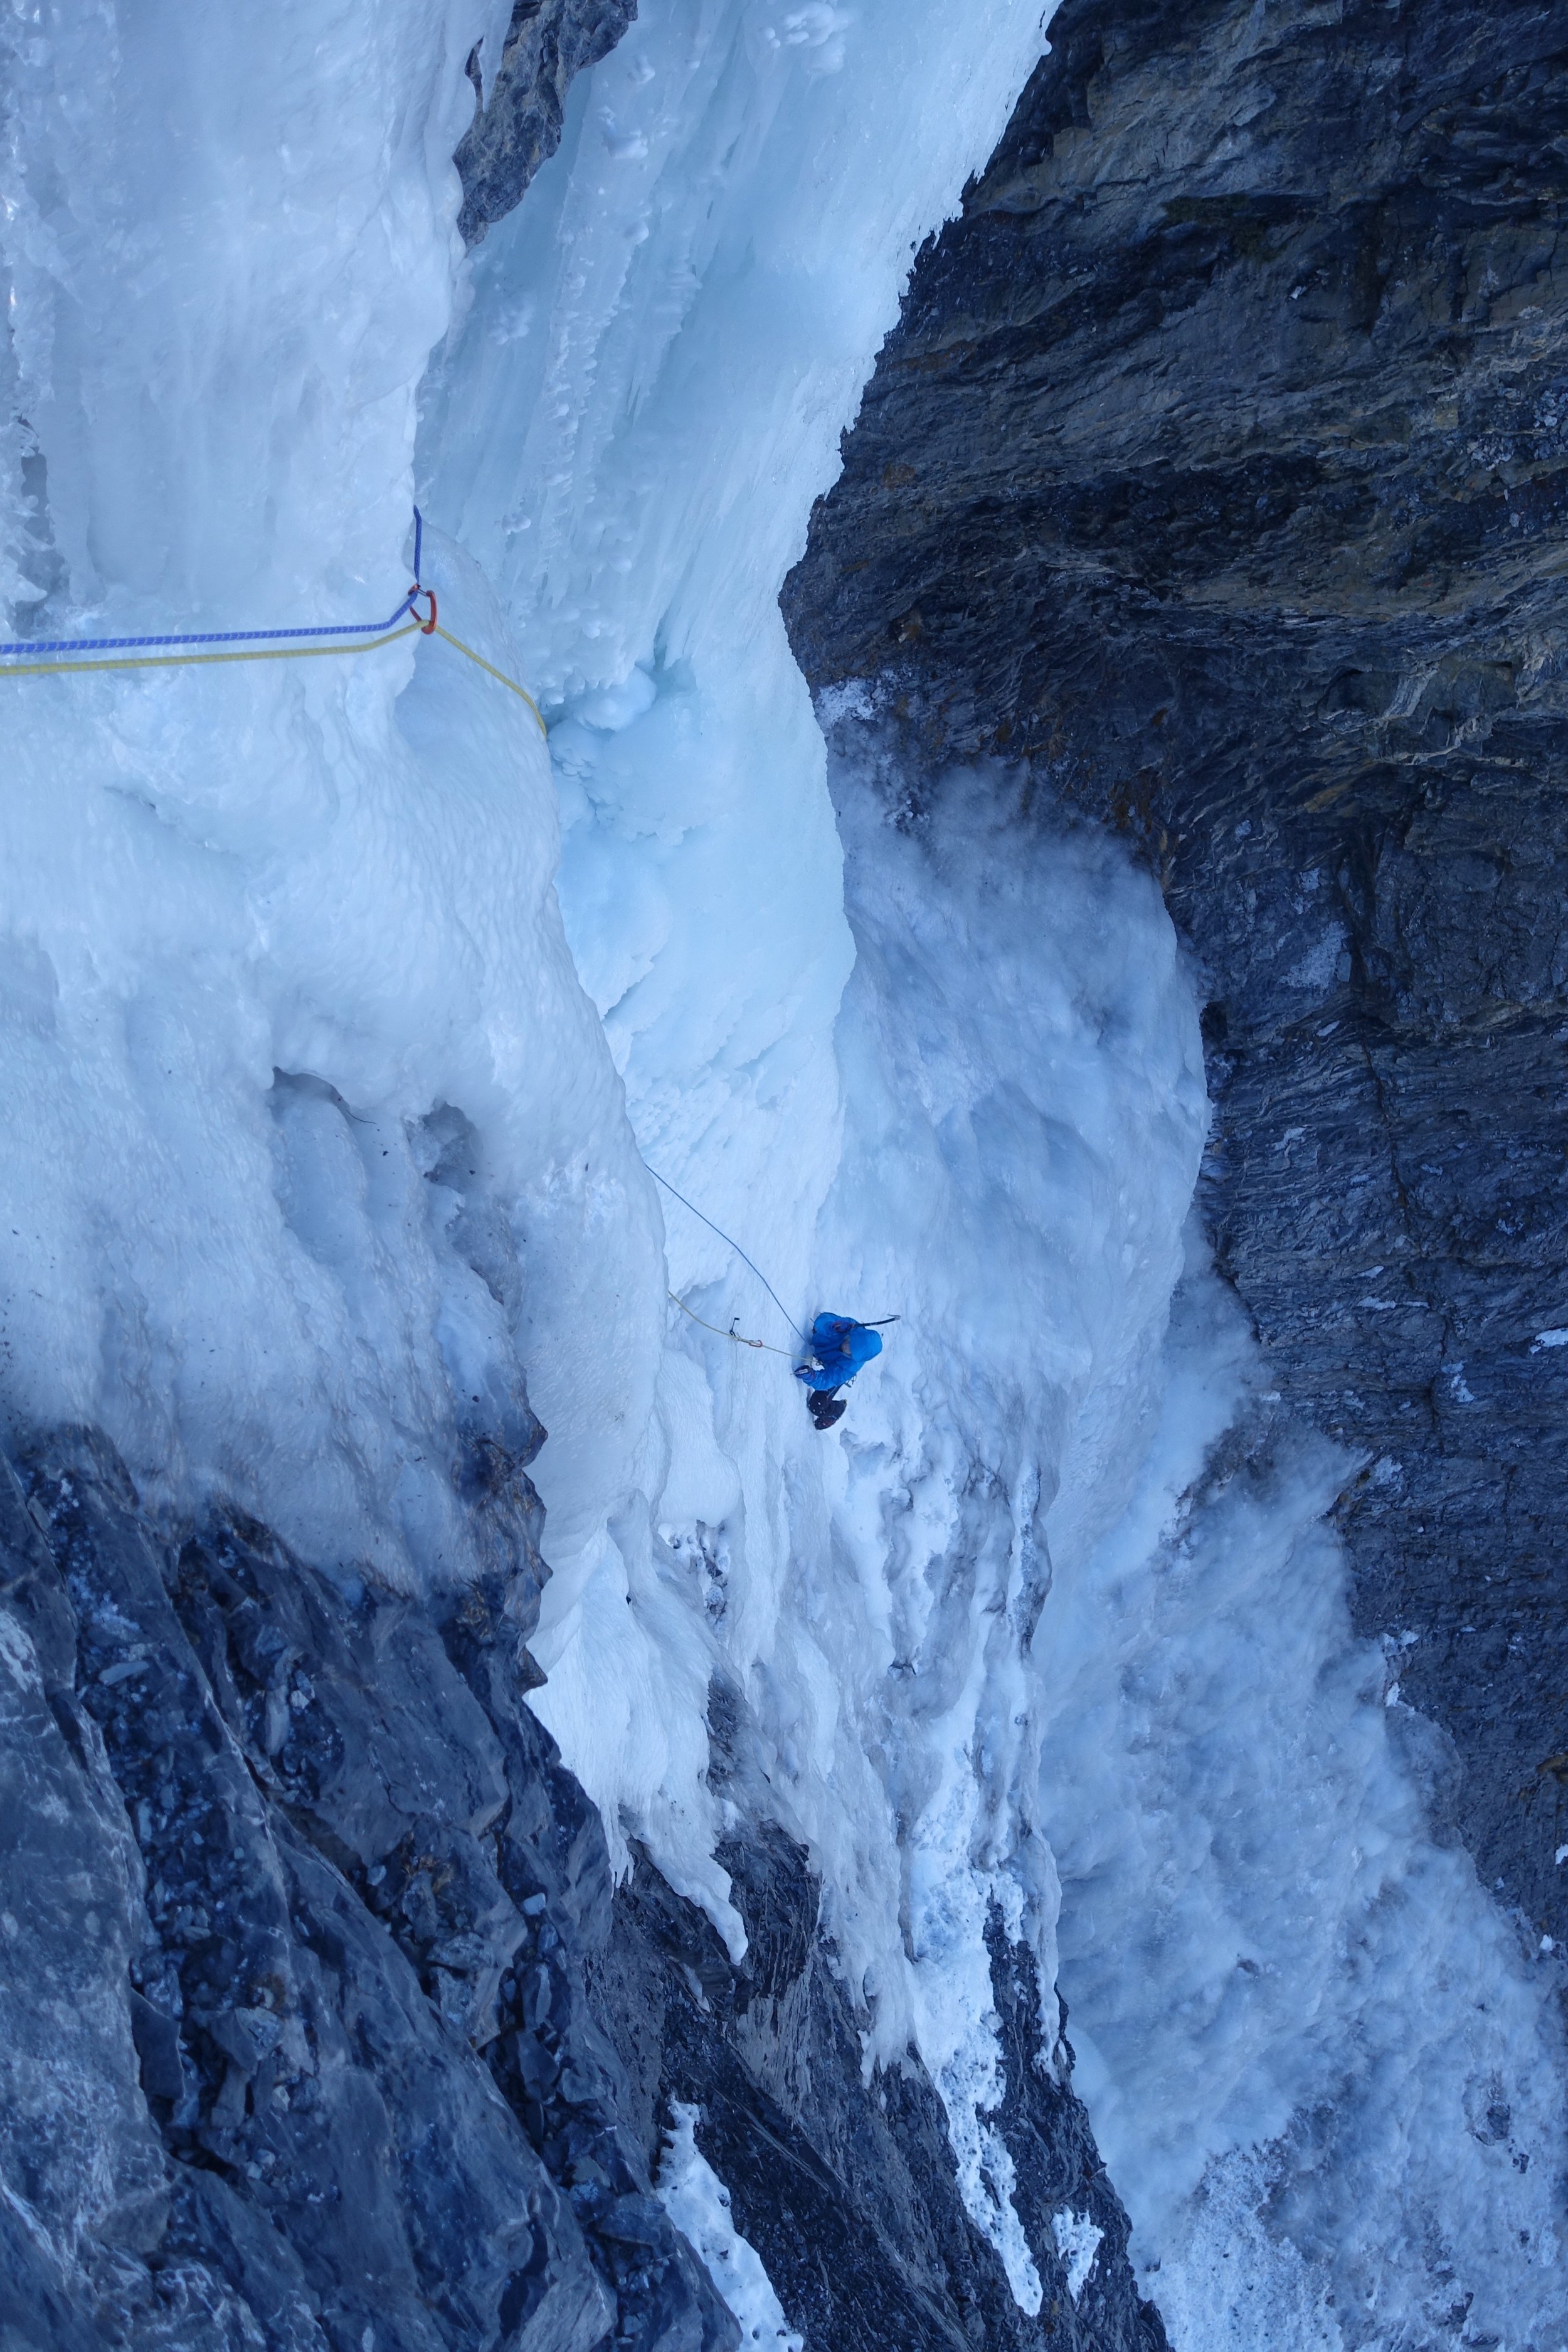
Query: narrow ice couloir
point(1278, 1982)
point(283, 944)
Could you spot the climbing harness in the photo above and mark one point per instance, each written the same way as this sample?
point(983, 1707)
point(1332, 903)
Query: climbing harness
point(259, 644)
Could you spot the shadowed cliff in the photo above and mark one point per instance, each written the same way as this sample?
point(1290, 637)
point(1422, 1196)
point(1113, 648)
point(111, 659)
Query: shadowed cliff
point(323, 2029)
point(1217, 471)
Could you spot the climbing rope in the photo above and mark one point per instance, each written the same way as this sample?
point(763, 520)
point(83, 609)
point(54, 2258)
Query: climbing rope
point(868, 1323)
point(188, 661)
point(374, 629)
point(135, 653)
point(740, 1253)
point(738, 1337)
point(495, 672)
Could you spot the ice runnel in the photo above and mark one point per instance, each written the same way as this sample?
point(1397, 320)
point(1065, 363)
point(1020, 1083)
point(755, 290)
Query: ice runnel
point(1001, 1139)
point(626, 428)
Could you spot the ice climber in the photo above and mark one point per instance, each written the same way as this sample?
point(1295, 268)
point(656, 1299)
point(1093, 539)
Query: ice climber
point(840, 1347)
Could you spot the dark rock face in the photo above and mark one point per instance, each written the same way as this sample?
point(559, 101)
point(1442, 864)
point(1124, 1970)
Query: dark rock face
point(848, 2190)
point(518, 127)
point(322, 2028)
point(297, 1898)
point(1218, 473)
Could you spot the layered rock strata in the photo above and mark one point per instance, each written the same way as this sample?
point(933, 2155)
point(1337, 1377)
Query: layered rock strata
point(520, 106)
point(1217, 475)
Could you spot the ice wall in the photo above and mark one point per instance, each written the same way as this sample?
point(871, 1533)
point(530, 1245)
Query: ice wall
point(318, 1136)
point(316, 1143)
point(1024, 1113)
point(994, 1130)
point(1325, 2072)
point(229, 249)
point(628, 429)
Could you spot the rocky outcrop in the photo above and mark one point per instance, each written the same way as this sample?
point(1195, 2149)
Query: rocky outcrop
point(519, 107)
point(323, 2030)
point(295, 1931)
point(847, 2189)
point(1218, 473)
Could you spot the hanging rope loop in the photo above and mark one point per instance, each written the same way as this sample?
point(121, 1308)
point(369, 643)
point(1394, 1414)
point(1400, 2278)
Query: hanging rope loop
point(739, 1253)
point(490, 668)
point(804, 1337)
point(739, 1338)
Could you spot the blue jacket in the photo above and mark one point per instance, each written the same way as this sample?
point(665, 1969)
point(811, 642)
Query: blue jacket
point(841, 1346)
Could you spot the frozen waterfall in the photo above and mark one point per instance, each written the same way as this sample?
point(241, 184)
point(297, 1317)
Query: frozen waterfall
point(278, 938)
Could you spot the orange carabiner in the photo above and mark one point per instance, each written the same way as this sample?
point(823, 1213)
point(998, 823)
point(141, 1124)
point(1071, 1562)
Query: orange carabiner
point(427, 628)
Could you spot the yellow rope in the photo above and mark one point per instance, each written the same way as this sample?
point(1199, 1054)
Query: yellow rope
point(186, 661)
point(495, 672)
point(736, 1335)
point(269, 652)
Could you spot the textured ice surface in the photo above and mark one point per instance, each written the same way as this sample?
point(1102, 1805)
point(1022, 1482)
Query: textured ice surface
point(1287, 2002)
point(1024, 1116)
point(318, 1132)
point(230, 249)
point(627, 427)
point(1318, 2059)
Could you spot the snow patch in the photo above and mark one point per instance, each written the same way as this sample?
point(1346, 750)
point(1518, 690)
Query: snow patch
point(1077, 2242)
point(699, 2204)
point(1318, 968)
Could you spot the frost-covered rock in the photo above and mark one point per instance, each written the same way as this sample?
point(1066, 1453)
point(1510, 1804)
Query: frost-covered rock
point(323, 2020)
point(1201, 498)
